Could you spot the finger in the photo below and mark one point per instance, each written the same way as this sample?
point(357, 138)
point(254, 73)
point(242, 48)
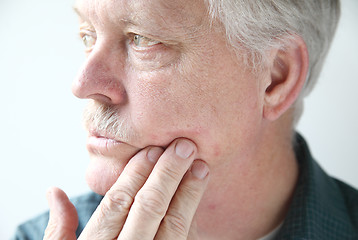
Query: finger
point(178, 220)
point(152, 201)
point(63, 220)
point(109, 217)
point(193, 231)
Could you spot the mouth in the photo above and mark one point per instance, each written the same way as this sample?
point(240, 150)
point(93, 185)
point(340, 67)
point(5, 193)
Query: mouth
point(104, 144)
point(105, 135)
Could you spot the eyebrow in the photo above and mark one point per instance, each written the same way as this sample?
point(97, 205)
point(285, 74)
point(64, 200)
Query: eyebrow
point(78, 12)
point(131, 23)
point(128, 22)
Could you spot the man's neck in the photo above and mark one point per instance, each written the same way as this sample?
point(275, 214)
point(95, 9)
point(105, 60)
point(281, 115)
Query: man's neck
point(248, 199)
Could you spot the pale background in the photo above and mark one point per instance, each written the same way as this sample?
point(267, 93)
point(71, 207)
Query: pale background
point(43, 144)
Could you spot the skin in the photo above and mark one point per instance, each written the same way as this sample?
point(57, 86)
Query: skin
point(219, 135)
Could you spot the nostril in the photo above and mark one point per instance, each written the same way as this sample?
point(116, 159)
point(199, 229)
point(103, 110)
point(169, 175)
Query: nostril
point(100, 98)
point(117, 95)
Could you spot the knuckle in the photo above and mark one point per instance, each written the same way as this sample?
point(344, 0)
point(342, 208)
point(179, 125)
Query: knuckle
point(119, 200)
point(169, 174)
point(152, 202)
point(137, 175)
point(177, 224)
point(191, 192)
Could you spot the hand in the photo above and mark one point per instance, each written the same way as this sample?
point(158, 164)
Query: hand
point(155, 197)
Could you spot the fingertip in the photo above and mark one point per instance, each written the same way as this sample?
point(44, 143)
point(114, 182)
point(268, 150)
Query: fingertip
point(51, 191)
point(154, 153)
point(49, 196)
point(199, 169)
point(184, 148)
point(59, 203)
point(63, 219)
point(54, 195)
point(62, 210)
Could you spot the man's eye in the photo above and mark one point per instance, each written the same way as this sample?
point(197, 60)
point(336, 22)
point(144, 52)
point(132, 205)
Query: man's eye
point(88, 40)
point(141, 41)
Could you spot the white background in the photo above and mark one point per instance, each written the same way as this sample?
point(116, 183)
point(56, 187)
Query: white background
point(43, 144)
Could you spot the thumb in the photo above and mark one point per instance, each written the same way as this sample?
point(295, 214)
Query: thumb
point(63, 220)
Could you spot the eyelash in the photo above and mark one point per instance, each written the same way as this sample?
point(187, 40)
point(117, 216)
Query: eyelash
point(137, 39)
point(89, 40)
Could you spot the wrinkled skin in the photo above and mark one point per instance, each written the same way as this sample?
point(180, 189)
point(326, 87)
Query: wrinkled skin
point(172, 107)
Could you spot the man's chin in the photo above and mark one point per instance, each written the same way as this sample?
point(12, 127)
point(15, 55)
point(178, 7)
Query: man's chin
point(101, 174)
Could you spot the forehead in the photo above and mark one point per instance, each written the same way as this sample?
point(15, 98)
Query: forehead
point(169, 13)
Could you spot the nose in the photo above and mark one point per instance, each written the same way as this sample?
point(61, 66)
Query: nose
point(101, 77)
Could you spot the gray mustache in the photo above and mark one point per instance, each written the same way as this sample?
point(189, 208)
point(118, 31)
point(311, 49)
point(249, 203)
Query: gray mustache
point(105, 120)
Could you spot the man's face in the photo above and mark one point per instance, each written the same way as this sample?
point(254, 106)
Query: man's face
point(159, 70)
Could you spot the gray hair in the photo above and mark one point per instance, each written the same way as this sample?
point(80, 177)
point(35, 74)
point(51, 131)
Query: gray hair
point(258, 25)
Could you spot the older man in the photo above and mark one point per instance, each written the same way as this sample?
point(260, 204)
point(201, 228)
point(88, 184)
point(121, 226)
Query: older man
point(192, 107)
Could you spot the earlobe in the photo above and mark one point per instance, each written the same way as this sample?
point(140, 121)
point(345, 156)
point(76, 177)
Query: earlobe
point(289, 68)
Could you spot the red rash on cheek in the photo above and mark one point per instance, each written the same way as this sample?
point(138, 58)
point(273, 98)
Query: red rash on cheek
point(216, 150)
point(212, 206)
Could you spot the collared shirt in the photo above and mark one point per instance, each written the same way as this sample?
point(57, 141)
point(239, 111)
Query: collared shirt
point(322, 207)
point(273, 234)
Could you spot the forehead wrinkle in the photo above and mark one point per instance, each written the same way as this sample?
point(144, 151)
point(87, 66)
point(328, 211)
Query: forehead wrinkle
point(102, 12)
point(170, 16)
point(192, 19)
point(166, 19)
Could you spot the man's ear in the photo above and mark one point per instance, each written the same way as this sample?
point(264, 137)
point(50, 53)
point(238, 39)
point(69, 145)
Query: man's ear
point(289, 68)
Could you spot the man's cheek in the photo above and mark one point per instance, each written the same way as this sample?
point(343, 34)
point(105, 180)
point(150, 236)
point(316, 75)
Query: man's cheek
point(156, 125)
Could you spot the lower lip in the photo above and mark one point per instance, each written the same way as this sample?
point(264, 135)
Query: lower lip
point(101, 144)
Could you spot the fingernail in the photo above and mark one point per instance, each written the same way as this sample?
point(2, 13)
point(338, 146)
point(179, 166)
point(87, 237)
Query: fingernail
point(199, 169)
point(184, 149)
point(154, 153)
